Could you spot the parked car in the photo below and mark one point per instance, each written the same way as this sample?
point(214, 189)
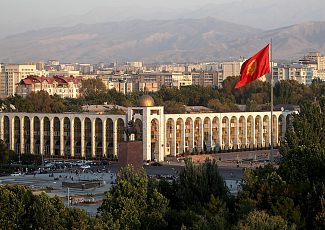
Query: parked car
point(75, 163)
point(15, 174)
point(156, 164)
point(85, 166)
point(145, 163)
point(104, 162)
point(3, 174)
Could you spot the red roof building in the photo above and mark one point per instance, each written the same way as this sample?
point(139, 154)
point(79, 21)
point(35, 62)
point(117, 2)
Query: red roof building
point(60, 85)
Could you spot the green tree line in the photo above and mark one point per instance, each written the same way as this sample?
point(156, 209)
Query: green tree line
point(223, 99)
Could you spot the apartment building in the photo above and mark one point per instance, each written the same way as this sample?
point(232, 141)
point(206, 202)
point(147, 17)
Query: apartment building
point(185, 80)
point(83, 68)
point(230, 69)
point(194, 67)
point(180, 68)
point(2, 80)
point(125, 87)
point(159, 79)
point(39, 64)
point(60, 85)
point(317, 58)
point(64, 73)
point(205, 78)
point(12, 75)
point(301, 73)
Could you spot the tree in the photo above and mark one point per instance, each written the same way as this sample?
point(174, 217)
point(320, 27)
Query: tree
point(217, 214)
point(41, 100)
point(130, 204)
point(284, 93)
point(217, 105)
point(92, 86)
point(12, 209)
point(30, 159)
point(198, 182)
point(303, 159)
point(57, 105)
point(257, 220)
point(286, 208)
point(265, 186)
point(4, 152)
point(173, 107)
point(116, 110)
point(12, 157)
point(20, 209)
point(303, 150)
point(251, 106)
point(21, 104)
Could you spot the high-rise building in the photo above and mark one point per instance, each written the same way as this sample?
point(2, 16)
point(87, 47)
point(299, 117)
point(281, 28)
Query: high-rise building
point(13, 74)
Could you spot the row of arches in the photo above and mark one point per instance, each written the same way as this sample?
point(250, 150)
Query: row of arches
point(100, 135)
point(209, 133)
point(63, 136)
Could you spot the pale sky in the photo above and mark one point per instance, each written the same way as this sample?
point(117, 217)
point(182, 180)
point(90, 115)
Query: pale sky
point(19, 10)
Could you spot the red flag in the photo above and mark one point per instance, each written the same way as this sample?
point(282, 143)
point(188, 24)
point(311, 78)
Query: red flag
point(255, 67)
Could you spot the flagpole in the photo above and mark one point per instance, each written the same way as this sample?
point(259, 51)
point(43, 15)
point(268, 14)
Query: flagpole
point(271, 105)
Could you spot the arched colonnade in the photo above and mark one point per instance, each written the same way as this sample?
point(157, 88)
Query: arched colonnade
point(209, 131)
point(94, 135)
point(63, 134)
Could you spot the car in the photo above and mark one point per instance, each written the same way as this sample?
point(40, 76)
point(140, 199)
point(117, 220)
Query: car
point(145, 163)
point(3, 174)
point(104, 162)
point(15, 174)
point(156, 164)
point(80, 163)
point(85, 166)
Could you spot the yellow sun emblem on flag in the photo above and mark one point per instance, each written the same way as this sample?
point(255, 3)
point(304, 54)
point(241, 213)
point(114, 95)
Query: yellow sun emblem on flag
point(252, 67)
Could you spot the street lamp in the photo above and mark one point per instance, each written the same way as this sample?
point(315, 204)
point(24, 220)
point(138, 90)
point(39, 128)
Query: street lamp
point(43, 157)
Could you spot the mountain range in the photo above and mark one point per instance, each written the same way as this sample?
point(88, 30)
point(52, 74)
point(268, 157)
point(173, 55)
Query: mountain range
point(150, 41)
point(262, 14)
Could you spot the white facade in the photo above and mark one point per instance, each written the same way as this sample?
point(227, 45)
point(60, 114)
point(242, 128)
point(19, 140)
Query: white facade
point(91, 135)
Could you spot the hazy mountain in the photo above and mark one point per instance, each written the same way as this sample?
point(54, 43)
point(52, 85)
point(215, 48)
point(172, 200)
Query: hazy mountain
point(181, 40)
point(95, 15)
point(131, 40)
point(263, 14)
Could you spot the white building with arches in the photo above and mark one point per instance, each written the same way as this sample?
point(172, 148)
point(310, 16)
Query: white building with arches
point(93, 135)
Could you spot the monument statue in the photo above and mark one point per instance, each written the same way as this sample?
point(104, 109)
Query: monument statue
point(130, 129)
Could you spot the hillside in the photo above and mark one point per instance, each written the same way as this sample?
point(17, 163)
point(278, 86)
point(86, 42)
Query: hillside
point(181, 40)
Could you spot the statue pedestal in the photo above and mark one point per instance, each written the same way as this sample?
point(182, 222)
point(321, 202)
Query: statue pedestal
point(130, 153)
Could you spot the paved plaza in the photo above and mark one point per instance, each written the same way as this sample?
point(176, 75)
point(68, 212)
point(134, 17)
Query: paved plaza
point(229, 169)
